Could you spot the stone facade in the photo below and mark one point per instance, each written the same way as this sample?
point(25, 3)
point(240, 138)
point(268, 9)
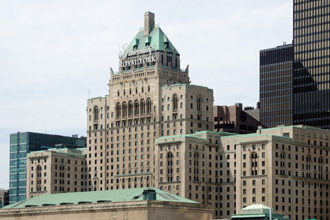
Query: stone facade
point(4, 197)
point(286, 168)
point(154, 129)
point(145, 101)
point(144, 210)
point(55, 171)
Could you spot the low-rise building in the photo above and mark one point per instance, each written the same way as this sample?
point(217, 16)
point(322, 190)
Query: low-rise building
point(234, 119)
point(22, 143)
point(253, 111)
point(125, 204)
point(56, 171)
point(258, 211)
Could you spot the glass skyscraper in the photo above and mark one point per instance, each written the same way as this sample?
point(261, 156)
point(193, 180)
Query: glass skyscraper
point(23, 143)
point(310, 76)
point(311, 83)
point(276, 75)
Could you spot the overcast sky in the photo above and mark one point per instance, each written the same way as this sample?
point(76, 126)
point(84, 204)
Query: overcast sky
point(53, 52)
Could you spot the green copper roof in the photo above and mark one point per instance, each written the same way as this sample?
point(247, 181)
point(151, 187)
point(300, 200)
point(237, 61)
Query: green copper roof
point(240, 216)
point(156, 39)
point(296, 126)
point(122, 195)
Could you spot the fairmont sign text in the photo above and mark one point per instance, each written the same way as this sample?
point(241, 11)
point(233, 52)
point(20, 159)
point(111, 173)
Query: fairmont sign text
point(126, 53)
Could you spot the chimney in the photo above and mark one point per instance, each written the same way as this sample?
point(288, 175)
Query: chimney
point(149, 22)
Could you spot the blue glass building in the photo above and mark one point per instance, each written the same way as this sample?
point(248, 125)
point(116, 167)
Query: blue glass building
point(25, 142)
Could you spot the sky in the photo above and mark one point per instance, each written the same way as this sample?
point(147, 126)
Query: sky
point(56, 54)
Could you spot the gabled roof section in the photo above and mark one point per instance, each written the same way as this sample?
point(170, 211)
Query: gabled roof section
point(122, 195)
point(256, 209)
point(157, 39)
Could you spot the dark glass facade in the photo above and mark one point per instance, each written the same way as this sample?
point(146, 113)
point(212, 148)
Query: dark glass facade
point(23, 143)
point(311, 83)
point(276, 75)
point(310, 80)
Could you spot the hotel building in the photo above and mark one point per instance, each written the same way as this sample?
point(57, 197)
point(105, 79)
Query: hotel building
point(154, 129)
point(285, 168)
point(148, 98)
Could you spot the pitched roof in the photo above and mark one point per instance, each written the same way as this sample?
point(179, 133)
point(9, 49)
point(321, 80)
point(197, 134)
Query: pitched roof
point(256, 206)
point(256, 209)
point(122, 195)
point(157, 39)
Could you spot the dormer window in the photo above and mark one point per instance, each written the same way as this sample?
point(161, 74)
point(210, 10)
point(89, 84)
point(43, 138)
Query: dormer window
point(166, 42)
point(135, 44)
point(148, 40)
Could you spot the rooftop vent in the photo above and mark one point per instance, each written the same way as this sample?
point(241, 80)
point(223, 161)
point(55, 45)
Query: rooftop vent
point(48, 204)
point(136, 197)
point(102, 201)
point(66, 203)
point(84, 202)
point(30, 206)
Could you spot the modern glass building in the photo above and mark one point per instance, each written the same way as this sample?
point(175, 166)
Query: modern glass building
point(310, 78)
point(311, 36)
point(23, 143)
point(276, 75)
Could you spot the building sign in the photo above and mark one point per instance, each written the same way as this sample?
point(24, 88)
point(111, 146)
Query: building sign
point(126, 53)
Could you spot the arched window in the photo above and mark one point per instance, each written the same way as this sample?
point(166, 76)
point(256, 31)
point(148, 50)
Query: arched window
point(118, 93)
point(321, 160)
point(148, 88)
point(175, 102)
point(142, 106)
point(142, 89)
point(124, 92)
point(96, 113)
point(136, 107)
point(124, 109)
point(130, 108)
point(118, 109)
point(169, 166)
point(148, 106)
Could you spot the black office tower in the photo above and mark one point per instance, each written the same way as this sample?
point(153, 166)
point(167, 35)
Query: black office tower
point(310, 76)
point(311, 83)
point(276, 87)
